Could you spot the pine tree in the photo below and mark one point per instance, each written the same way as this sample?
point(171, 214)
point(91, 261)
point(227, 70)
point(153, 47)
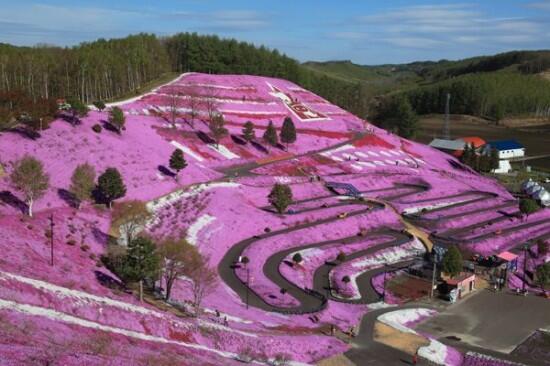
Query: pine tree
point(280, 197)
point(528, 206)
point(29, 178)
point(217, 128)
point(78, 109)
point(117, 118)
point(270, 134)
point(466, 157)
point(110, 186)
point(83, 183)
point(248, 131)
point(100, 105)
point(177, 161)
point(288, 132)
point(452, 261)
point(142, 261)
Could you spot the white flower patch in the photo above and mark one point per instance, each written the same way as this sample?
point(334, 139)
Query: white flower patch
point(69, 319)
point(197, 226)
point(391, 255)
point(309, 253)
point(367, 164)
point(413, 210)
point(400, 318)
point(187, 150)
point(186, 193)
point(380, 305)
point(435, 352)
point(223, 151)
point(283, 180)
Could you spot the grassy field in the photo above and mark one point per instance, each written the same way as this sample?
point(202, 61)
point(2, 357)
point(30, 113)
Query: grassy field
point(535, 139)
point(169, 76)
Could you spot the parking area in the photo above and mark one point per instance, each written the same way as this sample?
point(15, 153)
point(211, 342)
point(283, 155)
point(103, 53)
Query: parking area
point(496, 321)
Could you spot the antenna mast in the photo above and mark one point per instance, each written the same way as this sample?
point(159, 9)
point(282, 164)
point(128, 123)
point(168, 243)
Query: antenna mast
point(447, 125)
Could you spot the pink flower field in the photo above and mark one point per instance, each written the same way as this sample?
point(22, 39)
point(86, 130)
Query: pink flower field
point(75, 312)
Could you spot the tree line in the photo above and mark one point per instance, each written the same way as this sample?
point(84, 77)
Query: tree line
point(107, 69)
point(491, 95)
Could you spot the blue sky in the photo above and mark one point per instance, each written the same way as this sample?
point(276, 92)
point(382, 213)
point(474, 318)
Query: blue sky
point(364, 31)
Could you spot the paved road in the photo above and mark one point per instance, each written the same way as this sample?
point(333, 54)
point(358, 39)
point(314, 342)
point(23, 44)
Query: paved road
point(488, 320)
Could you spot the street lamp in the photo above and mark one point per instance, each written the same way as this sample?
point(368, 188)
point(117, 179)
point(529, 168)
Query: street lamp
point(245, 261)
point(525, 252)
point(51, 239)
point(384, 286)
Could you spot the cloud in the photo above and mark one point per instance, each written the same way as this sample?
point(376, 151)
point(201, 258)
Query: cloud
point(241, 20)
point(541, 5)
point(414, 42)
point(431, 26)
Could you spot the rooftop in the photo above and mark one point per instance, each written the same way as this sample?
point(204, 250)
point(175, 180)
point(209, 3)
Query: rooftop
point(447, 144)
point(506, 145)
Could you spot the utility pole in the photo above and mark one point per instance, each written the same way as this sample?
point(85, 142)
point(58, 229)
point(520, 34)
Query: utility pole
point(525, 248)
point(247, 285)
point(51, 239)
point(433, 278)
point(384, 287)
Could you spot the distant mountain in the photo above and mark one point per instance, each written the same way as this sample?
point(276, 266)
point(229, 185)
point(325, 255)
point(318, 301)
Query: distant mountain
point(506, 84)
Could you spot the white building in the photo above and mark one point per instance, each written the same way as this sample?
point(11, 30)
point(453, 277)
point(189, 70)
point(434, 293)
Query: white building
point(507, 149)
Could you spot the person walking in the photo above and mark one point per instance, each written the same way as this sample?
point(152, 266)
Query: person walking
point(415, 358)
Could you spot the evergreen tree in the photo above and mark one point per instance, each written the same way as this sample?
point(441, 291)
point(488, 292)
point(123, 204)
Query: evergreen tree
point(117, 118)
point(78, 109)
point(248, 131)
point(100, 105)
point(270, 134)
point(29, 178)
point(177, 161)
point(528, 206)
point(280, 197)
point(110, 186)
point(217, 128)
point(466, 157)
point(83, 183)
point(452, 261)
point(543, 275)
point(288, 132)
point(142, 261)
point(397, 113)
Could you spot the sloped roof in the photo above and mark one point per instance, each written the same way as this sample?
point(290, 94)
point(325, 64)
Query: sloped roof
point(507, 256)
point(506, 145)
point(477, 141)
point(447, 144)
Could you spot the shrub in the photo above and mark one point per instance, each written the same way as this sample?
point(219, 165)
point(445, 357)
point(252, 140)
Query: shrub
point(346, 279)
point(341, 257)
point(96, 128)
point(297, 258)
point(71, 242)
point(84, 247)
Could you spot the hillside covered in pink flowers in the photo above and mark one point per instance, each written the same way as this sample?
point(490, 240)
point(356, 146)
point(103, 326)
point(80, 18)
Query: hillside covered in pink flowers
point(75, 313)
